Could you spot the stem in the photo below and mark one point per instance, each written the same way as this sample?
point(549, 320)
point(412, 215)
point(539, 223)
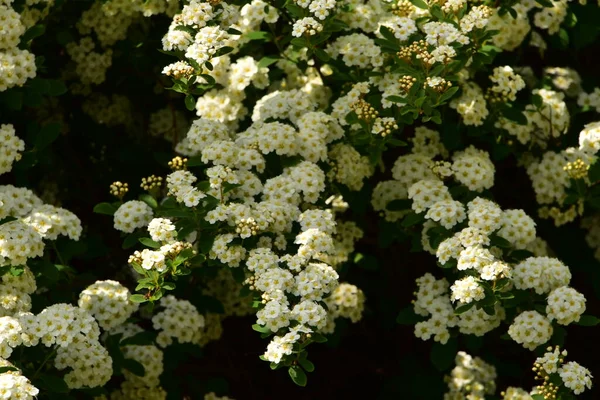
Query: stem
point(58, 254)
point(53, 352)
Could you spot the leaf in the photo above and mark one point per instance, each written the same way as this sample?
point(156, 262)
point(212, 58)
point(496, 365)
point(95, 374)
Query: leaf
point(190, 102)
point(412, 219)
point(407, 316)
point(420, 4)
point(499, 241)
point(137, 298)
point(144, 338)
point(56, 87)
point(448, 94)
point(322, 55)
point(387, 33)
point(397, 99)
point(258, 35)
point(306, 364)
point(261, 329)
point(298, 375)
point(17, 270)
point(105, 208)
point(545, 3)
point(233, 31)
point(588, 320)
point(53, 383)
point(195, 161)
point(318, 338)
point(514, 115)
point(32, 33)
point(7, 369)
point(134, 366)
point(48, 134)
point(222, 51)
point(594, 172)
point(266, 61)
point(169, 286)
point(149, 243)
point(442, 355)
point(464, 308)
point(148, 199)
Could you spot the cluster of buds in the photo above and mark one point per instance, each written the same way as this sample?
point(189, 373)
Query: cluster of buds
point(151, 182)
point(246, 227)
point(419, 50)
point(406, 82)
point(437, 83)
point(577, 169)
point(178, 163)
point(178, 70)
point(443, 169)
point(385, 126)
point(172, 250)
point(250, 281)
point(450, 7)
point(403, 8)
point(364, 110)
point(547, 388)
point(119, 189)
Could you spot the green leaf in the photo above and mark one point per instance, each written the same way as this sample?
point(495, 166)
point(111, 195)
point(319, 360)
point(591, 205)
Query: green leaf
point(464, 308)
point(387, 33)
point(298, 375)
point(7, 369)
point(397, 99)
point(318, 338)
point(32, 33)
point(545, 3)
point(594, 172)
point(195, 161)
point(588, 320)
point(442, 355)
point(266, 61)
point(322, 55)
point(420, 4)
point(168, 286)
point(223, 50)
point(448, 94)
point(412, 219)
point(148, 199)
point(514, 115)
point(190, 102)
point(407, 316)
point(500, 242)
point(149, 243)
point(144, 338)
point(258, 35)
point(105, 208)
point(53, 383)
point(306, 364)
point(233, 31)
point(17, 270)
point(13, 99)
point(134, 366)
point(137, 298)
point(48, 134)
point(56, 87)
point(261, 329)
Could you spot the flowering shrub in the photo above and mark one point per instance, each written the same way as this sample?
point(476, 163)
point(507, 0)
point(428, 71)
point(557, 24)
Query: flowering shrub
point(413, 183)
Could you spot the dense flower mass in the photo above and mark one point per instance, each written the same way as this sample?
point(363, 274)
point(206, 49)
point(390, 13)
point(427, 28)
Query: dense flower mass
point(287, 161)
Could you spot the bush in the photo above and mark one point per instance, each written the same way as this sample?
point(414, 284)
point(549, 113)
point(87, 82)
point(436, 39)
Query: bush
point(302, 165)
